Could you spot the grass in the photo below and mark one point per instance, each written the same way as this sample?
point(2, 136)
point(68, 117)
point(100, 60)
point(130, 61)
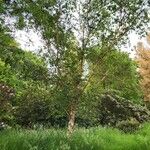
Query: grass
point(83, 139)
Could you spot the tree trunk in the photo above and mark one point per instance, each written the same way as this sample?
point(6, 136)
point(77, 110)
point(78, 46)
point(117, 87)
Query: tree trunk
point(75, 99)
point(71, 121)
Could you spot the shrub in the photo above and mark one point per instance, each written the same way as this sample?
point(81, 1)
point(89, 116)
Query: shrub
point(117, 112)
point(129, 125)
point(37, 107)
point(6, 109)
point(34, 106)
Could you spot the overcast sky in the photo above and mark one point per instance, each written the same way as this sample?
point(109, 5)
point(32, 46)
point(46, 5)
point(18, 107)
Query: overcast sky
point(32, 41)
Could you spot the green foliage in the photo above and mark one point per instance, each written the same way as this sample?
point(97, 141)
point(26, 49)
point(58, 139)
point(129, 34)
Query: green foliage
point(8, 81)
point(38, 106)
point(26, 65)
point(18, 66)
point(123, 114)
point(116, 71)
point(18, 70)
point(34, 106)
point(87, 110)
point(104, 24)
point(6, 96)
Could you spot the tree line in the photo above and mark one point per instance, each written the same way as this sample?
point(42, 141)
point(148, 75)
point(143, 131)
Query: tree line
point(81, 40)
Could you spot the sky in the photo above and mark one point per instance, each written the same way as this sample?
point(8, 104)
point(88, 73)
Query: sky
point(28, 40)
point(32, 41)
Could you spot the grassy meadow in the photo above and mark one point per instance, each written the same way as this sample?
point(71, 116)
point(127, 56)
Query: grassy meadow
point(82, 139)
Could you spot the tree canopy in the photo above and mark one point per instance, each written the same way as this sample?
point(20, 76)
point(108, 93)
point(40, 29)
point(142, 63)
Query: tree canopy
point(71, 30)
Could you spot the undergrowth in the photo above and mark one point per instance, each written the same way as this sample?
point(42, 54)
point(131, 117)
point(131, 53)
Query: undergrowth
point(82, 139)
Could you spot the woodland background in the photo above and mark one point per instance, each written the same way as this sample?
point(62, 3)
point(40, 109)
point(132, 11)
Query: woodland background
point(80, 79)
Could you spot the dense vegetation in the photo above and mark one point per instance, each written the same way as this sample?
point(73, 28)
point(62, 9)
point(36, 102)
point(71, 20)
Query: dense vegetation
point(82, 139)
point(80, 80)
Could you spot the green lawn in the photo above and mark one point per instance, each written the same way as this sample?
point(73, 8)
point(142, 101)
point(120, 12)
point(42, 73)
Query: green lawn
point(82, 139)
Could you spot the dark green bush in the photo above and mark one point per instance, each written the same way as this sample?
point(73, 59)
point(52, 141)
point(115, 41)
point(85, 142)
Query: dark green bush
point(121, 113)
point(34, 106)
point(129, 125)
point(37, 106)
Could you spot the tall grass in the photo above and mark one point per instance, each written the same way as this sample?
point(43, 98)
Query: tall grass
point(83, 139)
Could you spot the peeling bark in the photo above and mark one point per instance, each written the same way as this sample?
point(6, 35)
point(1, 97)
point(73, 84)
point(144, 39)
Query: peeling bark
point(71, 122)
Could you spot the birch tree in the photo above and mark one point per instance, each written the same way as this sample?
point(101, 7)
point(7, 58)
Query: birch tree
point(70, 29)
